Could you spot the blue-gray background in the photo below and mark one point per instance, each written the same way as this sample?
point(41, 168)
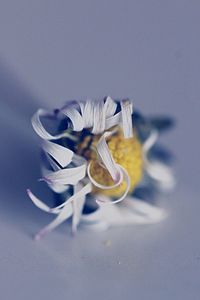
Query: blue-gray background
point(51, 51)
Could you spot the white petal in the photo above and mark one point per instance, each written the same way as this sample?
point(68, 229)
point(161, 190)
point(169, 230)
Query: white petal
point(75, 117)
point(151, 213)
point(64, 210)
point(110, 107)
point(87, 109)
point(40, 204)
point(127, 110)
point(61, 154)
point(113, 120)
point(67, 176)
point(80, 193)
point(130, 212)
point(95, 221)
point(99, 115)
point(77, 207)
point(65, 213)
point(53, 164)
point(99, 118)
point(123, 176)
point(102, 186)
point(126, 178)
point(106, 157)
point(56, 187)
point(39, 128)
point(150, 141)
point(160, 173)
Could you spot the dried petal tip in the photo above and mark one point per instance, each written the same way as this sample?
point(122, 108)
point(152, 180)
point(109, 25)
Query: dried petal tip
point(38, 237)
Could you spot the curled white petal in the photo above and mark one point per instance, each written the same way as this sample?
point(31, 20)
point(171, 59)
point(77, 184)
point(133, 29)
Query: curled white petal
point(106, 157)
point(87, 109)
point(98, 115)
point(113, 120)
point(60, 153)
point(123, 176)
point(102, 186)
point(59, 179)
point(56, 187)
point(39, 128)
point(99, 118)
point(127, 110)
point(110, 107)
point(75, 117)
point(102, 201)
point(66, 176)
point(40, 204)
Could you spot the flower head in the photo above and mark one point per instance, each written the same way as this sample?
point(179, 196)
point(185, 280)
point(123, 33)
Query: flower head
point(101, 154)
point(125, 152)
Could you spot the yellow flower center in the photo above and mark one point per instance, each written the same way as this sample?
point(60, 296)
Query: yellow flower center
point(126, 152)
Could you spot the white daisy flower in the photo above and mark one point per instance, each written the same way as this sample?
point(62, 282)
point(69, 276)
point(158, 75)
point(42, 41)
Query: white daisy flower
point(100, 156)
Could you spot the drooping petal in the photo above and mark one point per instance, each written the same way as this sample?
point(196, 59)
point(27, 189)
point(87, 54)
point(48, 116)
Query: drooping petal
point(158, 171)
point(130, 212)
point(95, 220)
point(78, 207)
point(161, 173)
point(64, 210)
point(150, 141)
point(64, 214)
point(151, 213)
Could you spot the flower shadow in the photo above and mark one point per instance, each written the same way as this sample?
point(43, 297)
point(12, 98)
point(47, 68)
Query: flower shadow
point(19, 157)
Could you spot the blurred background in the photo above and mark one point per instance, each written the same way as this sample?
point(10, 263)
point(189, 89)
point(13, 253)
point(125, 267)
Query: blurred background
point(53, 51)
